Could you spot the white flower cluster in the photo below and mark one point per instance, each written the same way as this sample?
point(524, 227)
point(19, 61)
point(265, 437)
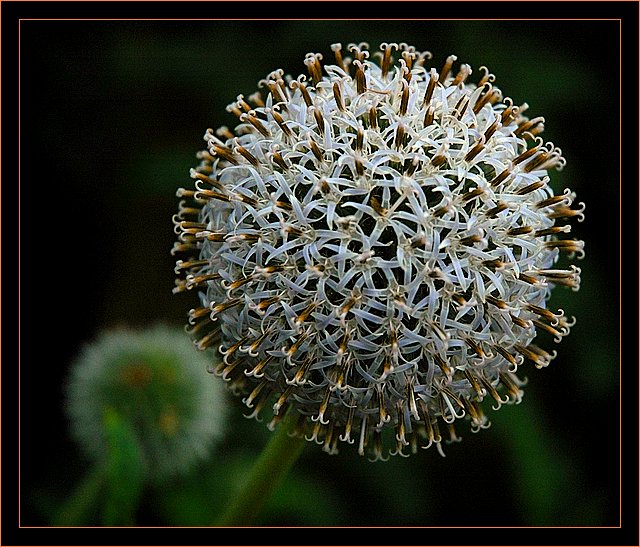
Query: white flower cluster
point(374, 248)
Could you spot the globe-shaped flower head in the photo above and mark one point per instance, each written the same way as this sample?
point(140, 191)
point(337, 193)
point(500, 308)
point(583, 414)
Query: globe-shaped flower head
point(374, 247)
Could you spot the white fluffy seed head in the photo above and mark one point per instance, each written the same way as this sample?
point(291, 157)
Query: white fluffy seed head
point(152, 380)
point(374, 248)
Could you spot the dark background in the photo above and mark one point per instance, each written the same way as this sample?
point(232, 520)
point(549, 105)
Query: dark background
point(112, 113)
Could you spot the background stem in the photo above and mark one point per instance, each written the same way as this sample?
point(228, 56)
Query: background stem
point(267, 474)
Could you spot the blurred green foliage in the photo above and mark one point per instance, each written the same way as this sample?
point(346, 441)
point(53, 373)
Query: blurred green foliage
point(123, 108)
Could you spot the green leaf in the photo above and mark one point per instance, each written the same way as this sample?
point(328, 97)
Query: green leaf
point(124, 472)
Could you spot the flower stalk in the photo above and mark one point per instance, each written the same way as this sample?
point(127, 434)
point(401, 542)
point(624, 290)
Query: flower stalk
point(270, 469)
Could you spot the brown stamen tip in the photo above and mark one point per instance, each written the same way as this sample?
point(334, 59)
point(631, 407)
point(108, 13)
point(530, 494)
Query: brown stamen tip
point(337, 95)
point(433, 80)
point(337, 51)
point(446, 68)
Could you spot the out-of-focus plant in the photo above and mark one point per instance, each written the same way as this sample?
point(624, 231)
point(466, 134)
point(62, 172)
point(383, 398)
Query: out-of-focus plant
point(144, 411)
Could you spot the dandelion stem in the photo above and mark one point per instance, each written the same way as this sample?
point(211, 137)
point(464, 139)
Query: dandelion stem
point(268, 472)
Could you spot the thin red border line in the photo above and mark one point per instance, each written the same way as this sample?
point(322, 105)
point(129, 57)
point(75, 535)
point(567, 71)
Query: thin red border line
point(314, 20)
point(19, 277)
point(281, 19)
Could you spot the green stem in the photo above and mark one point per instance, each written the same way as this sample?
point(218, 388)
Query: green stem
point(267, 474)
point(82, 505)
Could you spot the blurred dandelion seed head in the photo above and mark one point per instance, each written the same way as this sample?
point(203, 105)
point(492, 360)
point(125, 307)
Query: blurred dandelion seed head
point(374, 246)
point(152, 380)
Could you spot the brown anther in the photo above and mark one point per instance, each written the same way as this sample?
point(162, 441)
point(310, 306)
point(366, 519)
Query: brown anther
point(528, 279)
point(239, 283)
point(281, 123)
point(415, 162)
point(209, 340)
point(373, 117)
point(317, 114)
point(500, 206)
point(247, 155)
point(305, 94)
point(205, 178)
point(484, 98)
point(475, 347)
point(548, 328)
point(487, 76)
point(314, 66)
point(386, 59)
point(279, 161)
point(197, 313)
point(537, 161)
point(194, 281)
point(359, 142)
point(491, 130)
point(553, 200)
point(500, 178)
point(442, 210)
point(551, 231)
point(242, 103)
point(519, 231)
point(475, 385)
point(442, 364)
point(438, 160)
point(462, 75)
point(212, 236)
point(223, 306)
point(507, 113)
point(264, 304)
point(337, 95)
point(210, 194)
point(224, 133)
point(400, 135)
point(470, 240)
point(188, 264)
point(533, 353)
point(565, 245)
point(255, 122)
point(276, 92)
point(531, 187)
point(377, 206)
point(223, 152)
point(461, 107)
point(477, 148)
point(528, 125)
point(472, 194)
point(428, 116)
point(446, 68)
point(433, 80)
point(501, 304)
point(520, 322)
point(563, 212)
point(305, 313)
point(283, 205)
point(525, 155)
point(359, 166)
point(302, 371)
point(256, 99)
point(361, 83)
point(506, 355)
point(493, 264)
point(315, 149)
point(542, 312)
point(293, 230)
point(337, 51)
point(404, 101)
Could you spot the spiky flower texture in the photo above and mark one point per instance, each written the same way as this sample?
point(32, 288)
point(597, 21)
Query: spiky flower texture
point(374, 247)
